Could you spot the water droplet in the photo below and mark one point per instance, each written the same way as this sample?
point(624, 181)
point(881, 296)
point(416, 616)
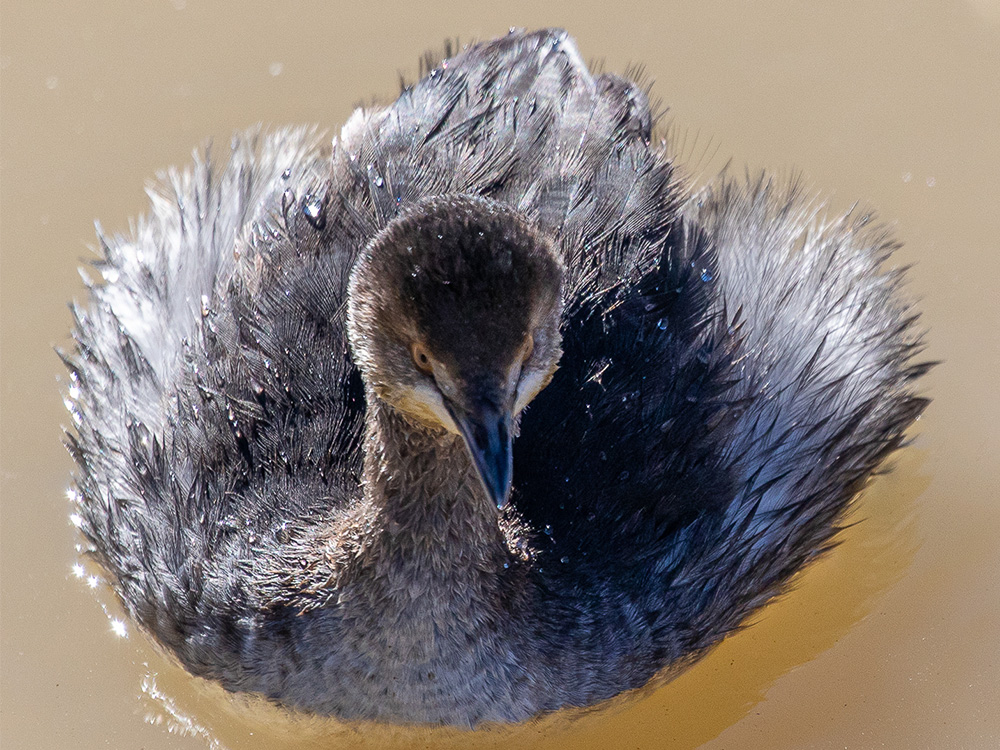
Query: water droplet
point(706, 274)
point(564, 560)
point(287, 173)
point(287, 201)
point(662, 323)
point(375, 177)
point(312, 207)
point(548, 529)
point(603, 456)
point(623, 477)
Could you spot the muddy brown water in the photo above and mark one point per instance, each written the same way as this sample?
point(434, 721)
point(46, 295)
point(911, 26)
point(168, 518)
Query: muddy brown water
point(892, 641)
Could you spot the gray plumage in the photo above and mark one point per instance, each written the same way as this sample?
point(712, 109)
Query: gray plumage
point(260, 469)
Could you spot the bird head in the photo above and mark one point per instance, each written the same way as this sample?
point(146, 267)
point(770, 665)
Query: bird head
point(453, 318)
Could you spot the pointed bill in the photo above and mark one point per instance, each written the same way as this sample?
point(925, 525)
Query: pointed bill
point(487, 434)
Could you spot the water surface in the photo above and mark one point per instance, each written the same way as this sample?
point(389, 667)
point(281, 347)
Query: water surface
point(892, 641)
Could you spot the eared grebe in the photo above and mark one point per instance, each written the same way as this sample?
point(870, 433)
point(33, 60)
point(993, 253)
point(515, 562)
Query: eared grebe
point(305, 457)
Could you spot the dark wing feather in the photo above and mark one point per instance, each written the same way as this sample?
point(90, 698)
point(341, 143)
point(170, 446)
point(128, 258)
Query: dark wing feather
point(624, 441)
point(184, 396)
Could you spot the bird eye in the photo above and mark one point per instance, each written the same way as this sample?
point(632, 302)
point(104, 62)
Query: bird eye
point(421, 358)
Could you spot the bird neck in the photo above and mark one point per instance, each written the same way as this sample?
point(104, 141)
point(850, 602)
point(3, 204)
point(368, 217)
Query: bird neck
point(435, 524)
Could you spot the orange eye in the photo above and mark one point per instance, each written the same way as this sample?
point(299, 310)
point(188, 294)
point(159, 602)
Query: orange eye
point(421, 358)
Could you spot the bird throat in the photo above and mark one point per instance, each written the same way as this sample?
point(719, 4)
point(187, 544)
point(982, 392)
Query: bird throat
point(435, 530)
